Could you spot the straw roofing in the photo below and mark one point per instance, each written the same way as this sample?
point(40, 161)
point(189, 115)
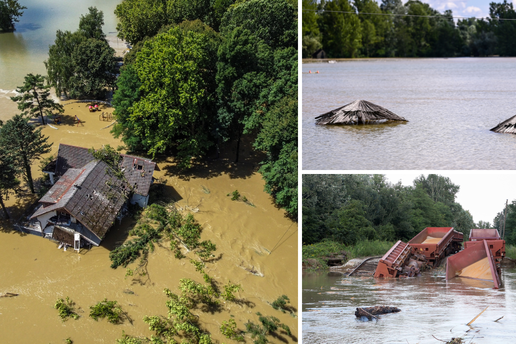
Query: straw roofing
point(358, 112)
point(507, 126)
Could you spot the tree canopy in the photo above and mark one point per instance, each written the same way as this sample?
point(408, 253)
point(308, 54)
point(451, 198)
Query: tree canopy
point(205, 72)
point(350, 208)
point(10, 10)
point(8, 177)
point(21, 140)
point(82, 64)
point(171, 91)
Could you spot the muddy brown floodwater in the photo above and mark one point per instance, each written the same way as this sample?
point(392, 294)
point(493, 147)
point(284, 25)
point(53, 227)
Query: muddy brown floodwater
point(429, 305)
point(257, 238)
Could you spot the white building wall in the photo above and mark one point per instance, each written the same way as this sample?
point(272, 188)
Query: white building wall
point(43, 219)
point(141, 200)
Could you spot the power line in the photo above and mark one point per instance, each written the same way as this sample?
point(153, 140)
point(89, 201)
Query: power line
point(404, 15)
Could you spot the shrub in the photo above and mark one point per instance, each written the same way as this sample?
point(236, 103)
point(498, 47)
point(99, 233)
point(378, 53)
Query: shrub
point(66, 309)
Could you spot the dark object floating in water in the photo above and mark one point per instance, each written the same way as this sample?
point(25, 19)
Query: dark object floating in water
point(372, 312)
point(358, 112)
point(507, 126)
point(8, 295)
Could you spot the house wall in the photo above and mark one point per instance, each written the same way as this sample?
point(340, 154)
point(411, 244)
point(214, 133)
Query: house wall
point(43, 219)
point(141, 200)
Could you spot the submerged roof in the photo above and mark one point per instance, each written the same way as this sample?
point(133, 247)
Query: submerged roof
point(138, 171)
point(507, 126)
point(359, 111)
point(91, 194)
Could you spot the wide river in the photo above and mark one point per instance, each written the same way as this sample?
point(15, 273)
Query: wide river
point(429, 305)
point(450, 104)
point(23, 51)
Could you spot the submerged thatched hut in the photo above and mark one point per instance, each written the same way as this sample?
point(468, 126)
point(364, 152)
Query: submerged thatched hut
point(358, 112)
point(507, 126)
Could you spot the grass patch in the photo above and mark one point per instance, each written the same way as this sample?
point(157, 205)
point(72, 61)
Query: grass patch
point(510, 251)
point(313, 255)
point(369, 248)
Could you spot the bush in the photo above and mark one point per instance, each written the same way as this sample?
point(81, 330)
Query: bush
point(107, 309)
point(66, 309)
point(510, 251)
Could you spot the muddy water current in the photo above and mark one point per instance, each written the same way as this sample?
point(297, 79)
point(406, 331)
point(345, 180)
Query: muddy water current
point(256, 238)
point(450, 105)
point(429, 305)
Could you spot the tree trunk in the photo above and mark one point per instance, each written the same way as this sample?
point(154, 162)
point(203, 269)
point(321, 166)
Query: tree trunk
point(238, 146)
point(4, 208)
point(28, 174)
point(40, 109)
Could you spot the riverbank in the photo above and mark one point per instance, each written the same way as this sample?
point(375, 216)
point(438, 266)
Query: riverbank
point(322, 255)
point(248, 238)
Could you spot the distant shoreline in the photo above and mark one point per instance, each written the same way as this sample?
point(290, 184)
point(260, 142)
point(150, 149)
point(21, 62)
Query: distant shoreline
point(326, 60)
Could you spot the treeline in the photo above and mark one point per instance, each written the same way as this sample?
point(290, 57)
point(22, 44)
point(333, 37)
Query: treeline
point(351, 208)
point(394, 29)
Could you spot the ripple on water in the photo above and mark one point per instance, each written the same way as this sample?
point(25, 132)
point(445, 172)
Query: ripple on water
point(450, 103)
point(430, 306)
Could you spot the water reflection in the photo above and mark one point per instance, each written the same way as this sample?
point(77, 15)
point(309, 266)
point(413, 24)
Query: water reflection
point(429, 304)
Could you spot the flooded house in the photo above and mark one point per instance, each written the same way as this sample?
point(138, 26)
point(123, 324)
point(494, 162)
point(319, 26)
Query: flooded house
point(87, 196)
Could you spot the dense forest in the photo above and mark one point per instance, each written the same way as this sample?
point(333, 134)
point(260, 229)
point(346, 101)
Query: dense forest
point(363, 28)
point(349, 208)
point(206, 72)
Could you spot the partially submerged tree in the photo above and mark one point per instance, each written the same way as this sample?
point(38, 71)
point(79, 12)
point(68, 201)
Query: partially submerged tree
point(35, 97)
point(82, 64)
point(10, 10)
point(23, 141)
point(8, 172)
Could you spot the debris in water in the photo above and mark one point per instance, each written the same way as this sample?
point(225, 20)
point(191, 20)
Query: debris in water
point(371, 312)
point(8, 295)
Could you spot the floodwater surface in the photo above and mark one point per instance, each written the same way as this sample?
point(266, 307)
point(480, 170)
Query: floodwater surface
point(450, 105)
point(429, 305)
point(24, 50)
point(255, 238)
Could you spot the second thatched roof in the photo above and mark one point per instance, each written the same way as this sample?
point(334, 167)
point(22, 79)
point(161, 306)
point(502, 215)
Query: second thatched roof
point(358, 112)
point(507, 126)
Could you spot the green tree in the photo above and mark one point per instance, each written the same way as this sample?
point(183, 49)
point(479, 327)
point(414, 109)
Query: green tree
point(176, 103)
point(35, 97)
point(342, 32)
point(10, 10)
point(90, 25)
point(26, 143)
point(374, 27)
point(349, 224)
point(127, 93)
point(94, 68)
point(505, 30)
point(8, 171)
point(278, 138)
point(310, 33)
point(138, 19)
point(259, 36)
point(60, 66)
point(82, 64)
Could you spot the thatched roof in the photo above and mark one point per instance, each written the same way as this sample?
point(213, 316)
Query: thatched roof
point(358, 112)
point(507, 126)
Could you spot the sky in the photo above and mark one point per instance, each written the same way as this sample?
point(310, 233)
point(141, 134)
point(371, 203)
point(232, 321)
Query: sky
point(483, 193)
point(462, 8)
